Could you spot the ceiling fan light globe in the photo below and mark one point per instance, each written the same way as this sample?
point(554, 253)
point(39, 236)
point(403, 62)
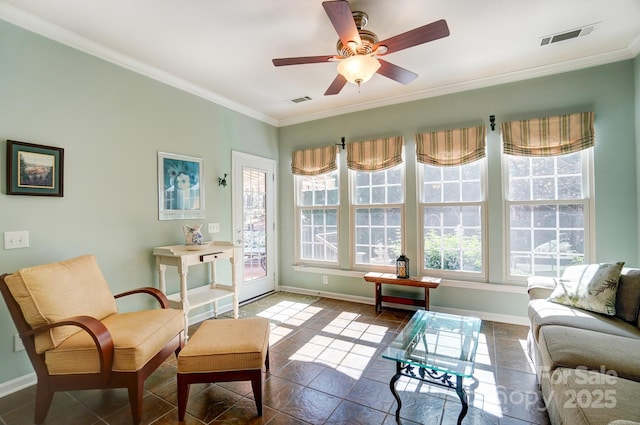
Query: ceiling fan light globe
point(358, 69)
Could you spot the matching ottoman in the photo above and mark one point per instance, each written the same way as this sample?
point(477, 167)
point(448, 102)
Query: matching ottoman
point(223, 350)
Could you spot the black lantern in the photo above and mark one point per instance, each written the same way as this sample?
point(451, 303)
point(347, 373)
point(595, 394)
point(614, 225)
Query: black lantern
point(402, 267)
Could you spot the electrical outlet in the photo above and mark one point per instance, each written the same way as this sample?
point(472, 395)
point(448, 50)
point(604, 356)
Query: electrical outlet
point(214, 228)
point(17, 343)
point(325, 280)
point(19, 239)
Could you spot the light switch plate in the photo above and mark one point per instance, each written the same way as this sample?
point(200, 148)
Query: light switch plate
point(214, 228)
point(19, 239)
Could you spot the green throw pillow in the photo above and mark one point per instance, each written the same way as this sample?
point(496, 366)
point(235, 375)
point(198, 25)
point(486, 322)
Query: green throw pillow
point(590, 287)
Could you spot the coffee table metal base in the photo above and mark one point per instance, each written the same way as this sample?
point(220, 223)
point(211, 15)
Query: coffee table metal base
point(434, 377)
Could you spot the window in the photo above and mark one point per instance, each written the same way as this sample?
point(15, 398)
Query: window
point(547, 212)
point(378, 216)
point(318, 198)
point(452, 208)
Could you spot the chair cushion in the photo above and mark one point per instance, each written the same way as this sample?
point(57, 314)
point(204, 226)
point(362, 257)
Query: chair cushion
point(51, 292)
point(137, 337)
point(223, 345)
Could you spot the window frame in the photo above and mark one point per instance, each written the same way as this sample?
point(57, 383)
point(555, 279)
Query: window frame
point(298, 224)
point(587, 160)
point(353, 207)
point(482, 203)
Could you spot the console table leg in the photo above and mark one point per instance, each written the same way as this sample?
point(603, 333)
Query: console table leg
point(392, 385)
point(463, 399)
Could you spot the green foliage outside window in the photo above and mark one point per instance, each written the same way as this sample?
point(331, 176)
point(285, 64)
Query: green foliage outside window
point(453, 252)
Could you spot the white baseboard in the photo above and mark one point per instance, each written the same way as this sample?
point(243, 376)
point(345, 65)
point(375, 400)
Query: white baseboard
point(484, 315)
point(17, 384)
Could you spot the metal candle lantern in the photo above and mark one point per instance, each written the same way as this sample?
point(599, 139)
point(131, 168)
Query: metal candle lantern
point(402, 266)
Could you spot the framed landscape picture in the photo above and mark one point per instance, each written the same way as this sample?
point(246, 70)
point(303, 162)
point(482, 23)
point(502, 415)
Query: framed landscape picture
point(34, 170)
point(180, 187)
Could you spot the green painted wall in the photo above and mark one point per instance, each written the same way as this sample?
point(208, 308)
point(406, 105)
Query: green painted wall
point(637, 119)
point(607, 90)
point(111, 123)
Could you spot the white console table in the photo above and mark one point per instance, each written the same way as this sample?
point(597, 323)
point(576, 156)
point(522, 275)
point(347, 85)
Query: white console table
point(187, 299)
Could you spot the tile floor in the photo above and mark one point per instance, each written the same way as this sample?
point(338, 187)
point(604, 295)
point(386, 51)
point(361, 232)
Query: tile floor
point(326, 368)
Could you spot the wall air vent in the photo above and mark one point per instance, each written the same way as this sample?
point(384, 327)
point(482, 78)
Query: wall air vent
point(567, 35)
point(300, 99)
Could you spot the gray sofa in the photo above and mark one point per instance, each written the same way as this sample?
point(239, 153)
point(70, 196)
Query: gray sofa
point(587, 364)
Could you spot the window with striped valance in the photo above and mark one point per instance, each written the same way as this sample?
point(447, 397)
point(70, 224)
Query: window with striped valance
point(448, 148)
point(313, 162)
point(375, 155)
point(549, 136)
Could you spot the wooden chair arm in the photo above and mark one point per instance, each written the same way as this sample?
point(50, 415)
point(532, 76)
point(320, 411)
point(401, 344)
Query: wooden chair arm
point(98, 332)
point(155, 293)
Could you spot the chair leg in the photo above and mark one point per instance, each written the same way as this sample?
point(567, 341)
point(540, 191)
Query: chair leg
point(256, 386)
point(43, 402)
point(266, 360)
point(183, 396)
point(136, 392)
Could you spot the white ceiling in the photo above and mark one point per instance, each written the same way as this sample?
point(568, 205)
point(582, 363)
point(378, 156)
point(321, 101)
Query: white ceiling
point(222, 50)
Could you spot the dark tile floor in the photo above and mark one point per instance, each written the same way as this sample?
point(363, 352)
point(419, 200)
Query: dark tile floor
point(326, 368)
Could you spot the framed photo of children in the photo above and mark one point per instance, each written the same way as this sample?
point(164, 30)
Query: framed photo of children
point(34, 170)
point(180, 187)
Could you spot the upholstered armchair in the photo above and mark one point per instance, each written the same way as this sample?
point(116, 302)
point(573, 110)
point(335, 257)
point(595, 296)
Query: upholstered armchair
point(76, 338)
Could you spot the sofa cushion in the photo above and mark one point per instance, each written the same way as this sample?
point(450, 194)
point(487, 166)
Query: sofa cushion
point(628, 296)
point(136, 336)
point(590, 287)
point(579, 397)
point(562, 346)
point(543, 313)
point(51, 292)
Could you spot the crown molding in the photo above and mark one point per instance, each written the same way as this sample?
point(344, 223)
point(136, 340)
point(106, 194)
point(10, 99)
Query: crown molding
point(634, 47)
point(494, 80)
point(46, 29)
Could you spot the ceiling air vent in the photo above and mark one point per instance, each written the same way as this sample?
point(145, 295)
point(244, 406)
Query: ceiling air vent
point(567, 35)
point(300, 99)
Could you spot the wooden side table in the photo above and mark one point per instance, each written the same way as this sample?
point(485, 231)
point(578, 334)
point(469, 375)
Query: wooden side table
point(380, 279)
point(209, 294)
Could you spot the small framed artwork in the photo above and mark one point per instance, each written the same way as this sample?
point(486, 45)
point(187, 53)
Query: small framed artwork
point(180, 187)
point(34, 170)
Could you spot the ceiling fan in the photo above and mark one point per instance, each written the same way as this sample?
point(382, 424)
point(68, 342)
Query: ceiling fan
point(359, 49)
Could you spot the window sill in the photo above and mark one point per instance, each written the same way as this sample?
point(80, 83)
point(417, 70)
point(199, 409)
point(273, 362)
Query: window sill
point(479, 286)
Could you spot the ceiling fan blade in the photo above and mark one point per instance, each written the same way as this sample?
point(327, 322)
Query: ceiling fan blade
point(396, 73)
point(341, 17)
point(302, 60)
point(420, 35)
point(337, 85)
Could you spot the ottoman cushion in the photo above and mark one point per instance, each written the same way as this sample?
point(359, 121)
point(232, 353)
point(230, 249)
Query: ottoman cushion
point(222, 345)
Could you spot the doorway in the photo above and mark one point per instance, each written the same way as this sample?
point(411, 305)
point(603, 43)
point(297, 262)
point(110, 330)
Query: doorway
point(253, 206)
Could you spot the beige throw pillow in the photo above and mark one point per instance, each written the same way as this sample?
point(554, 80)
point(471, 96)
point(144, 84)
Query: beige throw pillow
point(590, 287)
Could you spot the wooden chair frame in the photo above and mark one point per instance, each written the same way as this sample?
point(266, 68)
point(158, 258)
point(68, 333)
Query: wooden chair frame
point(107, 378)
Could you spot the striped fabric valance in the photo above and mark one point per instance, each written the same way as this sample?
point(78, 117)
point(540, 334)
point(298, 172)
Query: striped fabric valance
point(448, 148)
point(549, 136)
point(375, 155)
point(313, 162)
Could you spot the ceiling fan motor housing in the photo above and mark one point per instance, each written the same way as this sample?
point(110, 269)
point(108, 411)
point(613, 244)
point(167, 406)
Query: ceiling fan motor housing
point(368, 38)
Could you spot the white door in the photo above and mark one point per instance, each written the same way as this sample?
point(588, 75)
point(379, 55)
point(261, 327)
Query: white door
point(253, 206)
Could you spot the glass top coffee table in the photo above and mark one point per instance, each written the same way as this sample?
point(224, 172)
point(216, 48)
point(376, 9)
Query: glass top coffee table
point(435, 347)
